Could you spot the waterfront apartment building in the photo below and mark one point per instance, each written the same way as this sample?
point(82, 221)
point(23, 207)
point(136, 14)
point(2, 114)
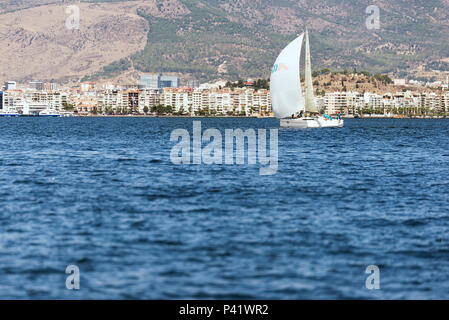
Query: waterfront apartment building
point(149, 98)
point(54, 100)
point(29, 102)
point(388, 103)
point(11, 100)
point(444, 102)
point(128, 100)
point(108, 100)
point(244, 101)
point(373, 101)
point(343, 102)
point(430, 101)
point(118, 101)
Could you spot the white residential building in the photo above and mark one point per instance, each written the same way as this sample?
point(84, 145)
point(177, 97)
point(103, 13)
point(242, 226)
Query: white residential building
point(344, 102)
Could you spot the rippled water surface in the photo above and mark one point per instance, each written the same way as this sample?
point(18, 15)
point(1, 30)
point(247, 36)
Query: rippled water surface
point(103, 194)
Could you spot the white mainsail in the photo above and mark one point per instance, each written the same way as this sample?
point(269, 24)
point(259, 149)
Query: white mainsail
point(285, 83)
point(310, 98)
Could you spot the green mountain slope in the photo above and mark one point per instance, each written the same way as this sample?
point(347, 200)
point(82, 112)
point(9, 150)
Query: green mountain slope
point(209, 39)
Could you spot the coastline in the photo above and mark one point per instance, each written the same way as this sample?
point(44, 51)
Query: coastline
point(165, 116)
point(361, 117)
point(255, 117)
point(394, 117)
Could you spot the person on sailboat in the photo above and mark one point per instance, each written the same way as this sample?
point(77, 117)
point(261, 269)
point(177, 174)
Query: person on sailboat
point(339, 116)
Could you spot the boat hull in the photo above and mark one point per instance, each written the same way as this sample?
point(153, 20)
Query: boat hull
point(309, 123)
point(9, 114)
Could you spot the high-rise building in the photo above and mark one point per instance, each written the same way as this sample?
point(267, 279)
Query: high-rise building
point(158, 81)
point(52, 86)
point(168, 82)
point(37, 85)
point(10, 85)
point(193, 83)
point(88, 86)
point(149, 80)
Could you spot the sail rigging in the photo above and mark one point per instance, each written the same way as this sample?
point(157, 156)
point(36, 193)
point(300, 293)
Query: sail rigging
point(310, 105)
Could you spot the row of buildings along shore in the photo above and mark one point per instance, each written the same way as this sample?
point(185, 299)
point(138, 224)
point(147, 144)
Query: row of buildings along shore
point(164, 95)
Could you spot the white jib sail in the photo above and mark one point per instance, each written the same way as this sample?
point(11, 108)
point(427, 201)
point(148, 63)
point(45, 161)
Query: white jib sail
point(285, 82)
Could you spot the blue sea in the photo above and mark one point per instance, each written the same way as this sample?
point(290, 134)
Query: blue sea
point(102, 194)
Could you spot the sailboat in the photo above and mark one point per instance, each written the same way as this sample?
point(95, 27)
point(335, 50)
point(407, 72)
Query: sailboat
point(286, 94)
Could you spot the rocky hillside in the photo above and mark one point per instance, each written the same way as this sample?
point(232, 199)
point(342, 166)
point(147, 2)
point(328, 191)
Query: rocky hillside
point(36, 44)
point(209, 39)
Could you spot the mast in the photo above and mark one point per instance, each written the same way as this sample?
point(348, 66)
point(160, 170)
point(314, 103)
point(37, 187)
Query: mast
point(310, 99)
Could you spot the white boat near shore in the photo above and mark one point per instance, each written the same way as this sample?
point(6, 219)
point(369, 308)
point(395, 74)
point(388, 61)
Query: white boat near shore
point(312, 123)
point(49, 113)
point(289, 104)
point(9, 114)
